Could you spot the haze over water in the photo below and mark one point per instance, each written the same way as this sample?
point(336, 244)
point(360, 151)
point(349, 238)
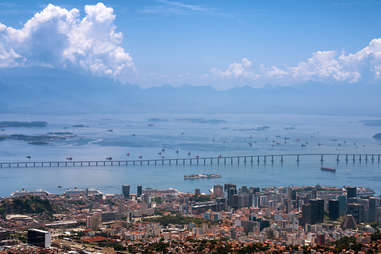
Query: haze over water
point(115, 136)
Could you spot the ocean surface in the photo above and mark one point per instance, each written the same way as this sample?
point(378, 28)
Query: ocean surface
point(128, 136)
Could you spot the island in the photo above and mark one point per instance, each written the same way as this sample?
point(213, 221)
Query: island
point(7, 124)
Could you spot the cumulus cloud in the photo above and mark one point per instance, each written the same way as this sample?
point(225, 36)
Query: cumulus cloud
point(58, 37)
point(324, 66)
point(235, 70)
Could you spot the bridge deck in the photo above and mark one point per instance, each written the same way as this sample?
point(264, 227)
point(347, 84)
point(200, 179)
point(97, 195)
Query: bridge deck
point(224, 160)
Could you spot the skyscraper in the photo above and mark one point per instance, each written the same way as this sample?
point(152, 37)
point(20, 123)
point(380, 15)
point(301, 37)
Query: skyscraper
point(351, 192)
point(218, 191)
point(139, 191)
point(126, 191)
point(372, 213)
point(333, 209)
point(231, 192)
point(313, 212)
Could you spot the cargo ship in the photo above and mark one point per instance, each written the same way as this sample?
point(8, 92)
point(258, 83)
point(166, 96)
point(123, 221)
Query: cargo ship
point(328, 169)
point(201, 176)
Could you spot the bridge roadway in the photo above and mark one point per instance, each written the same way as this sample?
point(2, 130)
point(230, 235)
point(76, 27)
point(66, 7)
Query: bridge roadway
point(219, 160)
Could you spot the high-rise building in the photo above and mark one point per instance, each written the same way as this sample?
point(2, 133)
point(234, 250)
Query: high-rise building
point(227, 186)
point(333, 209)
point(357, 211)
point(244, 189)
point(139, 191)
point(351, 192)
point(94, 221)
point(372, 212)
point(291, 194)
point(306, 214)
point(218, 191)
point(39, 238)
point(220, 204)
point(126, 191)
point(317, 210)
point(313, 212)
point(342, 205)
point(231, 192)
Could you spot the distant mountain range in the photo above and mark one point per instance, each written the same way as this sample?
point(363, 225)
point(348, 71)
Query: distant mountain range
point(51, 91)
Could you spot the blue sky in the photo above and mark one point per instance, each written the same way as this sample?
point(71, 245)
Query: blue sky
point(218, 43)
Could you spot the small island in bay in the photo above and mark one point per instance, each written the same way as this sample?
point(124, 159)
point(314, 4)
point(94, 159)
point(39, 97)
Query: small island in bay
point(377, 136)
point(17, 124)
point(42, 139)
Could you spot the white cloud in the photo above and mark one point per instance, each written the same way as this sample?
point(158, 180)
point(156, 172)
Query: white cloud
point(324, 66)
point(235, 70)
point(59, 37)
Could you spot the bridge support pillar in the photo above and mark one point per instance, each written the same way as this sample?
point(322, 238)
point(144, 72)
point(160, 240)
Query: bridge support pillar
point(297, 158)
point(346, 157)
point(338, 157)
point(281, 158)
point(321, 158)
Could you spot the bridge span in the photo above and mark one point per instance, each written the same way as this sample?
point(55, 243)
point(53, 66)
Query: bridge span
point(197, 161)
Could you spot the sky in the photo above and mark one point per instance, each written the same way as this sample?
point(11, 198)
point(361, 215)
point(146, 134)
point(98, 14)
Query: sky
point(223, 44)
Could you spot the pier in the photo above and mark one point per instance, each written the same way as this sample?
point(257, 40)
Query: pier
point(197, 161)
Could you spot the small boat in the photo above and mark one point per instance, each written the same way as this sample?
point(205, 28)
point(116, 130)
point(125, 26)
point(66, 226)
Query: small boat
point(328, 169)
point(69, 158)
point(59, 186)
point(109, 158)
point(140, 157)
point(128, 154)
point(189, 154)
point(28, 157)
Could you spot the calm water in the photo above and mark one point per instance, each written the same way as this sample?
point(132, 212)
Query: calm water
point(203, 135)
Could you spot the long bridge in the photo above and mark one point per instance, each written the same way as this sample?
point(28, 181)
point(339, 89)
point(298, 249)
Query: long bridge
point(197, 161)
